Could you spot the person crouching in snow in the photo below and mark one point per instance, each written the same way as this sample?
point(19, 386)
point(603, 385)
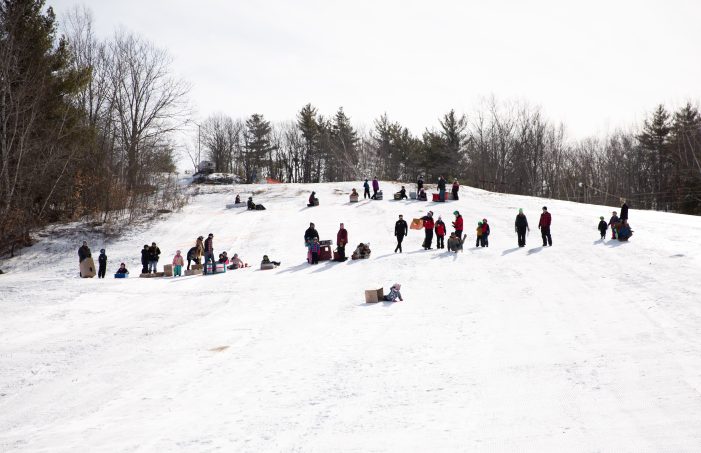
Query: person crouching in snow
point(454, 243)
point(603, 226)
point(394, 293)
point(312, 200)
point(314, 249)
point(178, 264)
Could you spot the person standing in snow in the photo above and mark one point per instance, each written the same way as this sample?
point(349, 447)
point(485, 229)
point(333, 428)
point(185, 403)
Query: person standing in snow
point(84, 252)
point(314, 249)
point(199, 250)
point(375, 188)
point(341, 241)
point(457, 224)
point(310, 234)
point(544, 225)
point(613, 222)
point(440, 233)
point(602, 227)
point(209, 250)
point(521, 226)
point(366, 187)
point(394, 293)
point(478, 232)
point(401, 229)
point(419, 184)
point(428, 228)
point(178, 264)
point(102, 264)
point(441, 188)
point(624, 210)
point(485, 233)
point(154, 254)
point(456, 188)
point(144, 259)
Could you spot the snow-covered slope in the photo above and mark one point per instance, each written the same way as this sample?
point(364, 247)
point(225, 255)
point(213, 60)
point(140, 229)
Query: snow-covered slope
point(585, 346)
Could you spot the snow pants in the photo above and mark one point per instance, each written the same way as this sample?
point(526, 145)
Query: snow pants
point(399, 244)
point(177, 270)
point(428, 241)
point(545, 232)
point(439, 242)
point(101, 271)
point(521, 232)
point(315, 258)
point(366, 194)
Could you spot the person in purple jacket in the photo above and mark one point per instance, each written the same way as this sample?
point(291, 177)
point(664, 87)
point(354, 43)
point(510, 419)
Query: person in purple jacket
point(375, 188)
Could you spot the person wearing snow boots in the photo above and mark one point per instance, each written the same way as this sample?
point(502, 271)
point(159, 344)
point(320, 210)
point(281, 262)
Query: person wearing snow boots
point(199, 252)
point(544, 225)
point(613, 222)
point(375, 188)
point(154, 254)
point(394, 293)
point(144, 259)
point(454, 243)
point(428, 229)
point(401, 229)
point(366, 188)
point(421, 195)
point(478, 232)
point(236, 262)
point(441, 189)
point(521, 226)
point(484, 239)
point(456, 188)
point(314, 249)
point(457, 224)
point(178, 263)
point(603, 226)
point(440, 233)
point(101, 264)
point(341, 241)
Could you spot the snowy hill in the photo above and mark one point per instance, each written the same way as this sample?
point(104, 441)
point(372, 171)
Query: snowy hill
point(585, 346)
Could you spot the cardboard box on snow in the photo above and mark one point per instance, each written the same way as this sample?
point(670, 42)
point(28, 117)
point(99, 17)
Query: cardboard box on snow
point(374, 295)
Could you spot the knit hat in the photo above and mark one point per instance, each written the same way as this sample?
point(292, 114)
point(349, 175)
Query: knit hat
point(397, 286)
point(177, 252)
point(456, 213)
point(102, 250)
point(602, 217)
point(479, 223)
point(520, 210)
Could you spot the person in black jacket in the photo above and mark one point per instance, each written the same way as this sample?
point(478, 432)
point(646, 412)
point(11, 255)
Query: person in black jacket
point(102, 264)
point(521, 225)
point(84, 252)
point(401, 229)
point(144, 259)
point(624, 210)
point(441, 188)
point(192, 256)
point(209, 251)
point(154, 254)
point(603, 226)
point(419, 184)
point(310, 234)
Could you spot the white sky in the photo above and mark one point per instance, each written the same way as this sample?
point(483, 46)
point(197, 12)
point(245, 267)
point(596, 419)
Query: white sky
point(595, 65)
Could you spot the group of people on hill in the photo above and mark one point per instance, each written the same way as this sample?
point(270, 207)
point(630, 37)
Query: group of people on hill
point(313, 245)
point(375, 189)
point(521, 227)
point(620, 228)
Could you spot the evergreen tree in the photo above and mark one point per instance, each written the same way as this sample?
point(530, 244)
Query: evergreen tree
point(308, 125)
point(257, 147)
point(685, 152)
point(344, 155)
point(654, 144)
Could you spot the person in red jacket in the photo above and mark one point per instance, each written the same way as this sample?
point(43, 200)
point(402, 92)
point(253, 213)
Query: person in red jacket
point(341, 241)
point(440, 233)
point(428, 228)
point(544, 225)
point(484, 239)
point(457, 224)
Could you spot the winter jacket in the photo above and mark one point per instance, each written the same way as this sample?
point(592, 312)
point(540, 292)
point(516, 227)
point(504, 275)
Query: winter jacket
point(393, 295)
point(603, 226)
point(342, 237)
point(199, 249)
point(154, 253)
point(624, 212)
point(178, 260)
point(209, 245)
point(614, 220)
point(102, 260)
point(485, 229)
point(521, 222)
point(144, 256)
point(454, 243)
point(419, 184)
point(456, 187)
point(237, 263)
point(366, 185)
point(479, 230)
point(428, 222)
point(458, 223)
point(314, 247)
point(545, 220)
point(440, 228)
point(122, 270)
point(624, 232)
point(441, 184)
point(311, 198)
point(251, 205)
point(192, 254)
point(375, 185)
point(83, 252)
point(310, 234)
point(401, 228)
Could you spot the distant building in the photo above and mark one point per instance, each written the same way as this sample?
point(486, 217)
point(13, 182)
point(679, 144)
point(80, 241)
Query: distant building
point(206, 167)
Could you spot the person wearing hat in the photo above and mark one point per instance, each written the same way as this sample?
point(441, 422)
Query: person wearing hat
point(624, 210)
point(613, 221)
point(419, 184)
point(102, 264)
point(456, 189)
point(544, 225)
point(457, 224)
point(440, 233)
point(144, 259)
point(603, 226)
point(394, 293)
point(401, 229)
point(178, 263)
point(484, 240)
point(209, 250)
point(428, 228)
point(521, 226)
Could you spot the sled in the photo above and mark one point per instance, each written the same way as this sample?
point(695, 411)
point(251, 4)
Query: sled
point(189, 272)
point(152, 275)
point(168, 270)
point(437, 197)
point(219, 268)
point(354, 198)
point(412, 195)
point(398, 196)
point(121, 275)
point(325, 252)
point(416, 224)
point(87, 268)
point(266, 266)
point(373, 296)
point(235, 205)
point(315, 202)
point(378, 196)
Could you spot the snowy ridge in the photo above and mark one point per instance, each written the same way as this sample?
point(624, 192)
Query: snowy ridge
point(585, 346)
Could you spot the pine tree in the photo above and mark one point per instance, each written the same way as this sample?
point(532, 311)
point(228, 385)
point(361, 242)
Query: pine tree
point(685, 152)
point(257, 146)
point(654, 143)
point(344, 155)
point(308, 125)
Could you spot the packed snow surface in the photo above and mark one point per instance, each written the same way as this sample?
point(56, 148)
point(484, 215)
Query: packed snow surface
point(588, 345)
